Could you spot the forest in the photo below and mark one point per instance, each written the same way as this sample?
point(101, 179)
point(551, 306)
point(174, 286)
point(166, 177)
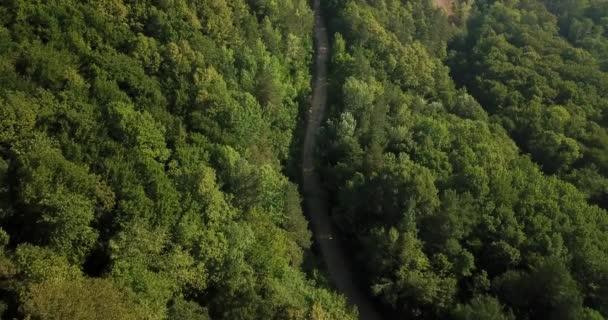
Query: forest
point(149, 157)
point(142, 154)
point(467, 155)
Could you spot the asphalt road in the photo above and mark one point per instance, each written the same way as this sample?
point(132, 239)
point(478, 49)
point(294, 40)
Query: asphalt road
point(336, 260)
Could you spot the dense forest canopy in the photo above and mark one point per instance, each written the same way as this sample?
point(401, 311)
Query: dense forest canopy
point(142, 146)
point(467, 156)
point(550, 94)
point(145, 148)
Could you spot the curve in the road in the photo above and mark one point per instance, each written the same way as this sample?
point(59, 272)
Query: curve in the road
point(315, 197)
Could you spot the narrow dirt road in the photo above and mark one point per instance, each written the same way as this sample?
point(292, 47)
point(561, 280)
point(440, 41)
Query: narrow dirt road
point(315, 197)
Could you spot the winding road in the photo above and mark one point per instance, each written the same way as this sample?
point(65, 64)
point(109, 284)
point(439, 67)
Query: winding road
point(315, 197)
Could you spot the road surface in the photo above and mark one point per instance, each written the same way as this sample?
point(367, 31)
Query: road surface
point(315, 197)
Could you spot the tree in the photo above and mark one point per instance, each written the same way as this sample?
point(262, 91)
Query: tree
point(79, 299)
point(482, 308)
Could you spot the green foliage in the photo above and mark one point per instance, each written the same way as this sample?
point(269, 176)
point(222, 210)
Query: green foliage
point(481, 308)
point(447, 216)
point(181, 309)
point(549, 287)
point(38, 264)
point(60, 199)
point(583, 23)
point(142, 143)
point(79, 299)
point(547, 92)
point(138, 131)
point(141, 152)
